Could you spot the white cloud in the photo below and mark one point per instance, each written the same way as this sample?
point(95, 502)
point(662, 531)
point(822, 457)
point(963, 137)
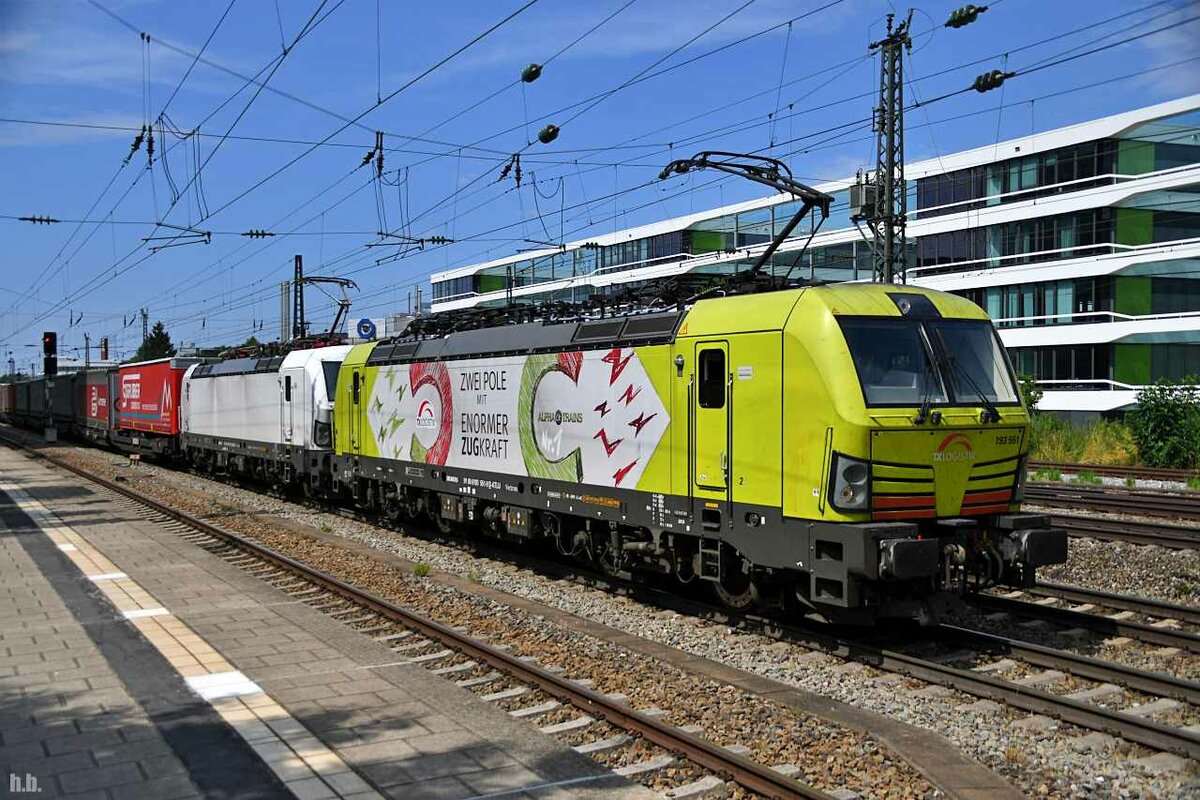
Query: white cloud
point(1173, 44)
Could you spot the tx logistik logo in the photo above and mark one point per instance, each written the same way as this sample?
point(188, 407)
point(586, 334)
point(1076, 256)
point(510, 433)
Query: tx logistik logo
point(425, 416)
point(558, 417)
point(955, 447)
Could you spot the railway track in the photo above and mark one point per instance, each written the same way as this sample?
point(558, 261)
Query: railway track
point(1107, 625)
point(1142, 503)
point(1161, 534)
point(961, 646)
point(423, 641)
point(1139, 605)
point(969, 661)
point(1142, 473)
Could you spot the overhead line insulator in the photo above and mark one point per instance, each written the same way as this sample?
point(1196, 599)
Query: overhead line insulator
point(257, 233)
point(991, 80)
point(531, 73)
point(964, 15)
point(40, 220)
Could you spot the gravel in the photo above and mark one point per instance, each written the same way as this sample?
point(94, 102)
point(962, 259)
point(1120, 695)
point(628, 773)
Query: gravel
point(1123, 568)
point(1039, 759)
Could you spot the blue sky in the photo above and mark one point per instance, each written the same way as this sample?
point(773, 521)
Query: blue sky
point(66, 61)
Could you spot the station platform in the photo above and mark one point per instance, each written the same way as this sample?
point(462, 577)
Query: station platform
point(136, 665)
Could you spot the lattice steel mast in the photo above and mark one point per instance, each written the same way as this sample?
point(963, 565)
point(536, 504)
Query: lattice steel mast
point(880, 199)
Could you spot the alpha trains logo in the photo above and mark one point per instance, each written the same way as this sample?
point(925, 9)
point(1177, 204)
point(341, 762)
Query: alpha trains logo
point(558, 416)
point(955, 447)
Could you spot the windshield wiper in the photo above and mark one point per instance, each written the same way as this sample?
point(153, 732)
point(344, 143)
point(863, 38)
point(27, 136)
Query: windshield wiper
point(929, 375)
point(990, 412)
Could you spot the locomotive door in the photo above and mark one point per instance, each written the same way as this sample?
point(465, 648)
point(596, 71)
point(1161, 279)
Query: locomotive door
point(356, 412)
point(711, 408)
point(287, 397)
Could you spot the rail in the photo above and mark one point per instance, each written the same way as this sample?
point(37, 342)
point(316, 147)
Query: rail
point(749, 774)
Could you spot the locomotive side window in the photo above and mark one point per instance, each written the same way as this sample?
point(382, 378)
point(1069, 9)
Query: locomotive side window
point(354, 388)
point(287, 388)
point(711, 388)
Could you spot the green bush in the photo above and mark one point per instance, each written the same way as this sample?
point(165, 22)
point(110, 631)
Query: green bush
point(420, 570)
point(1193, 483)
point(1089, 477)
point(1166, 424)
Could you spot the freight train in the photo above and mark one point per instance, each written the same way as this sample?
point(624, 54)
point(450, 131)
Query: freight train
point(851, 452)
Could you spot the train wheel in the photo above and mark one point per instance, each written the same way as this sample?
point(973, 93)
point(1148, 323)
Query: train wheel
point(737, 592)
point(392, 509)
point(412, 505)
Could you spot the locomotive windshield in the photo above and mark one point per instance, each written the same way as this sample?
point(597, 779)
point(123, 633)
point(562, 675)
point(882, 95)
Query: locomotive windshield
point(975, 367)
point(331, 372)
point(909, 362)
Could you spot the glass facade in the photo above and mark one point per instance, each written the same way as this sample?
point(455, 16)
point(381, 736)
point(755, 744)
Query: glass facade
point(1085, 363)
point(1038, 175)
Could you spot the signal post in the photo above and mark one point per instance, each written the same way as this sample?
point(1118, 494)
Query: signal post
point(50, 369)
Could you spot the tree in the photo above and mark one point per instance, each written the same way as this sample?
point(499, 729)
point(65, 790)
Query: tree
point(1166, 424)
point(157, 345)
point(1031, 394)
point(251, 342)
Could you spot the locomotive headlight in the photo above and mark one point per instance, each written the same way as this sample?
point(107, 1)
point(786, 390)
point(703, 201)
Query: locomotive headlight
point(851, 484)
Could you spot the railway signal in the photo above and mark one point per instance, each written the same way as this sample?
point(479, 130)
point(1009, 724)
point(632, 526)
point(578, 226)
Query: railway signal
point(50, 353)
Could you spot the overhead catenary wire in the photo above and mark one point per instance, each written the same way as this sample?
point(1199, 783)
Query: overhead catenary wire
point(417, 279)
point(550, 179)
point(754, 122)
point(313, 23)
point(479, 37)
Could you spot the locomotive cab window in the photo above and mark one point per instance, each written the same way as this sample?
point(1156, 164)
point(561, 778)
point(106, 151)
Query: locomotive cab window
point(902, 362)
point(893, 362)
point(711, 388)
point(974, 362)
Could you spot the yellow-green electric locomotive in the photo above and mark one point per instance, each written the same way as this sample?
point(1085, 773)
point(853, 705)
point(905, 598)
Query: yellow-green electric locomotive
point(856, 449)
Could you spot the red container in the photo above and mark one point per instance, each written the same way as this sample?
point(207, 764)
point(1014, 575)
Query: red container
point(148, 395)
point(92, 401)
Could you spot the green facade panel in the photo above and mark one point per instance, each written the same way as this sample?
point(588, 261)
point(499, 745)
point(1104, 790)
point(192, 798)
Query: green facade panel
point(1132, 294)
point(1135, 226)
point(1131, 364)
point(1135, 157)
point(707, 241)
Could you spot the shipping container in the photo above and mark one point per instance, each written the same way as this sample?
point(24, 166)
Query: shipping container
point(93, 411)
point(62, 400)
point(145, 398)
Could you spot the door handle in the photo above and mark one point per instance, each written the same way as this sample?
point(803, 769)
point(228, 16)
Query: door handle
point(725, 465)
